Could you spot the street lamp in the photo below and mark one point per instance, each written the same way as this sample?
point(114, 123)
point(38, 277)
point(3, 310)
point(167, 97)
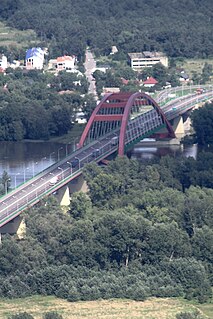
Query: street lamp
point(15, 179)
point(70, 167)
point(6, 185)
point(61, 148)
point(78, 161)
point(67, 149)
point(62, 172)
point(51, 154)
point(74, 144)
point(34, 168)
point(42, 161)
point(25, 168)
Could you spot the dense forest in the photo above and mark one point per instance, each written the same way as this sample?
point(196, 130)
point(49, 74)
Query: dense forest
point(179, 28)
point(33, 104)
point(144, 229)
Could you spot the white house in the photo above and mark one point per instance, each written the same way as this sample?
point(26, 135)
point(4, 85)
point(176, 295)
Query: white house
point(34, 59)
point(65, 63)
point(3, 61)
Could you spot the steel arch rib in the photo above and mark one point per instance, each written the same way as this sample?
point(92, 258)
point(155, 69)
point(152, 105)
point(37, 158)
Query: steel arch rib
point(91, 119)
point(125, 119)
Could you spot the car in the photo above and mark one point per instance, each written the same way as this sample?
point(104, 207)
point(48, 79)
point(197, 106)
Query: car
point(114, 140)
point(96, 152)
point(75, 162)
point(54, 180)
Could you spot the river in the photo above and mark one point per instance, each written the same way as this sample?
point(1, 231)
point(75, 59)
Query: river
point(23, 160)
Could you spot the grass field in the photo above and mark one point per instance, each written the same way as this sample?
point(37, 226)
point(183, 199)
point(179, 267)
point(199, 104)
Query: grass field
point(10, 37)
point(161, 308)
point(194, 65)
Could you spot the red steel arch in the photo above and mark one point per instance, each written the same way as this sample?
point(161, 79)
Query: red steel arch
point(126, 101)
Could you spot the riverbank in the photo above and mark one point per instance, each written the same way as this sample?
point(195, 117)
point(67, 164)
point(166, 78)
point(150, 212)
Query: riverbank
point(71, 137)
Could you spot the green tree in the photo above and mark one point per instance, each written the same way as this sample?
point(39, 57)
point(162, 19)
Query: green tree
point(21, 315)
point(52, 315)
point(80, 205)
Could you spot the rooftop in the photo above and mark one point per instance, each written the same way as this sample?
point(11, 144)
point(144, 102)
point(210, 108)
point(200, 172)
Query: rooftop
point(146, 54)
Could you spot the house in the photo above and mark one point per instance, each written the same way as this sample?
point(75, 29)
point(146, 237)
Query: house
point(110, 90)
point(147, 59)
point(150, 82)
point(114, 50)
point(34, 59)
point(183, 78)
point(65, 63)
point(3, 61)
point(124, 81)
point(80, 118)
point(103, 68)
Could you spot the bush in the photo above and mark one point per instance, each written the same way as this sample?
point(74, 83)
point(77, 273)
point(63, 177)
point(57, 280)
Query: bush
point(22, 315)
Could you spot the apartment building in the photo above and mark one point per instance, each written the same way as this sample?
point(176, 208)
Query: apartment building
point(147, 59)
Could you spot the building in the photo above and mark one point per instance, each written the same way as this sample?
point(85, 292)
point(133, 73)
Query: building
point(34, 59)
point(184, 78)
point(3, 62)
point(65, 63)
point(150, 82)
point(103, 68)
point(147, 59)
point(81, 118)
point(114, 50)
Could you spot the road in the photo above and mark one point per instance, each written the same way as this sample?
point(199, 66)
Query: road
point(90, 66)
point(40, 186)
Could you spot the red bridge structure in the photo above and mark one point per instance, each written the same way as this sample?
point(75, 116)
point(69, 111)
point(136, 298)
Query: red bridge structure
point(118, 122)
point(115, 111)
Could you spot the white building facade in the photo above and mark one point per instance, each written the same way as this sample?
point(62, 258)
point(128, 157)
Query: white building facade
point(147, 59)
point(34, 59)
point(3, 61)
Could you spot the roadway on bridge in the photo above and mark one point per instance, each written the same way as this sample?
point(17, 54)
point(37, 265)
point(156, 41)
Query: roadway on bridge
point(40, 186)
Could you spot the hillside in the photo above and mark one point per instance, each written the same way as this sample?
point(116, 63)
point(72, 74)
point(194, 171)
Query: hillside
point(182, 28)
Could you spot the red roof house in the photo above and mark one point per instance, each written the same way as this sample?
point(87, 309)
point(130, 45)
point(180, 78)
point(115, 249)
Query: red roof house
point(150, 81)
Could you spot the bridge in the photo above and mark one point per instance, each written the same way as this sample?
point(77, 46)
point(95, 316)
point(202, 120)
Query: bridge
point(118, 122)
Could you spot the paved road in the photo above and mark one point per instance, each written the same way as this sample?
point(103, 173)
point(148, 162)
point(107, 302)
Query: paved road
point(32, 191)
point(90, 66)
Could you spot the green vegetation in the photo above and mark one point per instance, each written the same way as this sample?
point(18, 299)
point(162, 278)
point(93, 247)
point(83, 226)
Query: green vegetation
point(179, 29)
point(37, 306)
point(192, 66)
point(202, 120)
point(14, 42)
point(143, 230)
point(37, 105)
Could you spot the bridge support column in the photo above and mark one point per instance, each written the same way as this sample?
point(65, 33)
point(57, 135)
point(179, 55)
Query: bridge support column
point(179, 127)
point(64, 193)
point(63, 197)
point(15, 226)
point(78, 185)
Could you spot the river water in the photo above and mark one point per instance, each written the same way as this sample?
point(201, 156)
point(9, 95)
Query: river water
point(23, 160)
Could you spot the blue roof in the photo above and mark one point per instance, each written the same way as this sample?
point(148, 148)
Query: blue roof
point(34, 52)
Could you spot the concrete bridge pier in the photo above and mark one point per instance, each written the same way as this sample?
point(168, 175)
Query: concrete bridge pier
point(16, 226)
point(178, 127)
point(64, 194)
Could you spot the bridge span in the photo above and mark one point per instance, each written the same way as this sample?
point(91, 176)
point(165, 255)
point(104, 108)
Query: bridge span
point(118, 122)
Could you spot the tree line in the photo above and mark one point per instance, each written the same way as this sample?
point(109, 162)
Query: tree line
point(144, 229)
point(180, 29)
point(37, 105)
